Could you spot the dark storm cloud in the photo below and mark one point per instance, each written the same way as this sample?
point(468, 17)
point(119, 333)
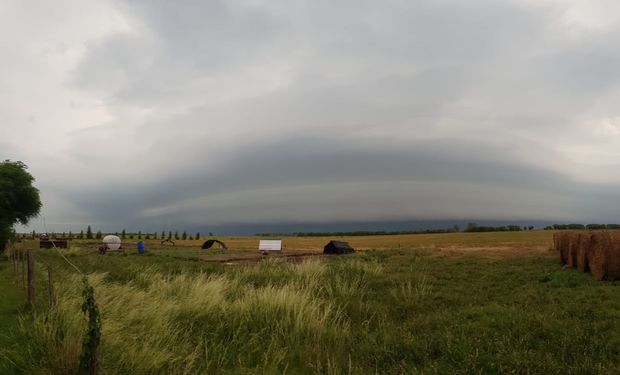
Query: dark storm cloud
point(223, 112)
point(333, 167)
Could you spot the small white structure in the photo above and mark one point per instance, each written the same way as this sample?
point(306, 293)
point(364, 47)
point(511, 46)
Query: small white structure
point(270, 245)
point(111, 242)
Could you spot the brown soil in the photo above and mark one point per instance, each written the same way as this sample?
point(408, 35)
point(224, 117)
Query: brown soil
point(491, 252)
point(241, 258)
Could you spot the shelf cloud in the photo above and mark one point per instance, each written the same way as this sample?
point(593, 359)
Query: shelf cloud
point(196, 114)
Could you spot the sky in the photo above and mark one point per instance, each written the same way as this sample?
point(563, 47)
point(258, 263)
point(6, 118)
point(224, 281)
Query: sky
point(158, 115)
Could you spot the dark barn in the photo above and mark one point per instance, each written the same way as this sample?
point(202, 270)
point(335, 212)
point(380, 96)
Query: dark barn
point(338, 247)
point(209, 243)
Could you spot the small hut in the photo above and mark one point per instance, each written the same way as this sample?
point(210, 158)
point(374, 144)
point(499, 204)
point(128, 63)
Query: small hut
point(209, 243)
point(338, 247)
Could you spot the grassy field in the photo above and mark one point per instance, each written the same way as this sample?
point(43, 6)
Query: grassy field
point(448, 303)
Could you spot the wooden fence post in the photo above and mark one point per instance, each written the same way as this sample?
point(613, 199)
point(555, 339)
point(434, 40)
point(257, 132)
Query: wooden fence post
point(14, 259)
point(30, 277)
point(50, 285)
point(23, 260)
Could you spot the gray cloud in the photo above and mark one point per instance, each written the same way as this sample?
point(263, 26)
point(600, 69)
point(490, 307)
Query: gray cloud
point(202, 114)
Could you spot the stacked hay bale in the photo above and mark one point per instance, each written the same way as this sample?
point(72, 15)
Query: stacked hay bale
point(613, 259)
point(589, 251)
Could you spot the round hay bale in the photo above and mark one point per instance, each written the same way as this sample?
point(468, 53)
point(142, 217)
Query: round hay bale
point(111, 242)
point(556, 242)
point(583, 248)
point(573, 245)
point(613, 256)
point(562, 245)
point(597, 256)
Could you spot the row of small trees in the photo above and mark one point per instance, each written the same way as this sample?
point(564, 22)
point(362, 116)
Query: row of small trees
point(582, 227)
point(473, 227)
point(88, 234)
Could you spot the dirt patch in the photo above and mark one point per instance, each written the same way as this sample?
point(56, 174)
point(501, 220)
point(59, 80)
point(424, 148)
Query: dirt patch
point(245, 258)
point(491, 252)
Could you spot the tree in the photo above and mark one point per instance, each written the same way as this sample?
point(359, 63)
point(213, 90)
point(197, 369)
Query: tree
point(123, 233)
point(169, 235)
point(148, 236)
point(139, 234)
point(176, 236)
point(81, 236)
point(89, 233)
point(184, 235)
point(163, 235)
point(98, 235)
point(471, 227)
point(197, 236)
point(19, 200)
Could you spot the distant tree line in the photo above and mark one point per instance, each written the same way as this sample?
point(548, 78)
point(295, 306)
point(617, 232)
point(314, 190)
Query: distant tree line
point(473, 227)
point(453, 229)
point(89, 235)
point(582, 227)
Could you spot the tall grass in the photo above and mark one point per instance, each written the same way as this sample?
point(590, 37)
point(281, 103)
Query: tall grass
point(393, 312)
point(271, 317)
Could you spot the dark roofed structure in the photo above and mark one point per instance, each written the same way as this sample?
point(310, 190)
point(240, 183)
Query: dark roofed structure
point(338, 247)
point(209, 243)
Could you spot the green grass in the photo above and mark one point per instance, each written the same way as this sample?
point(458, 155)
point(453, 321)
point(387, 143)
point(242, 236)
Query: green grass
point(392, 311)
point(13, 301)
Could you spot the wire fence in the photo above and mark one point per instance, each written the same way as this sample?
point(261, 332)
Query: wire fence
point(27, 269)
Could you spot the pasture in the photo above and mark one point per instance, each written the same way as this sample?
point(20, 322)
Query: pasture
point(455, 303)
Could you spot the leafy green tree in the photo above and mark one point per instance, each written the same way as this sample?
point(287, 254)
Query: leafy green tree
point(184, 235)
point(81, 236)
point(123, 234)
point(197, 236)
point(19, 199)
point(169, 235)
point(176, 236)
point(99, 235)
point(163, 235)
point(89, 233)
point(34, 234)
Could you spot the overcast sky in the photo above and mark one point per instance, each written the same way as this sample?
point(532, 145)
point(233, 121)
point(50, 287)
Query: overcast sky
point(195, 114)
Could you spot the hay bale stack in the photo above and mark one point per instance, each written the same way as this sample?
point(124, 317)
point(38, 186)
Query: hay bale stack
point(597, 252)
point(613, 256)
point(597, 255)
point(583, 250)
point(561, 244)
point(572, 244)
point(557, 244)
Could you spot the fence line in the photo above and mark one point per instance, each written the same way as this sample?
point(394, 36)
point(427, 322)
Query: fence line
point(89, 358)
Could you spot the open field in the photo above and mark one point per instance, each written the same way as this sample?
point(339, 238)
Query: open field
point(442, 303)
